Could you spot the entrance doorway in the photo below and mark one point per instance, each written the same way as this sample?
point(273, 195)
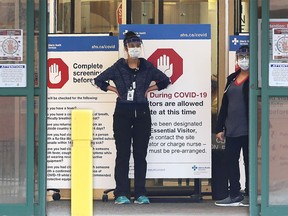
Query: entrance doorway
point(23, 108)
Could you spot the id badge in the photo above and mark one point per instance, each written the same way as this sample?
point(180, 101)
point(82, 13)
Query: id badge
point(130, 95)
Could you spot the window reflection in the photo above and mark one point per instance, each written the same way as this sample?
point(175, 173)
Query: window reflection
point(88, 16)
point(189, 12)
point(12, 148)
point(64, 17)
point(143, 12)
point(278, 9)
point(278, 151)
point(99, 16)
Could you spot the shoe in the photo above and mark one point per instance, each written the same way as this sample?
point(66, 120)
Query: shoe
point(230, 201)
point(142, 200)
point(245, 201)
point(245, 193)
point(122, 200)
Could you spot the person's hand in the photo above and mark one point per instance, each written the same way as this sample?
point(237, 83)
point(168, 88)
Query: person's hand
point(163, 64)
point(54, 74)
point(151, 88)
point(220, 136)
point(113, 89)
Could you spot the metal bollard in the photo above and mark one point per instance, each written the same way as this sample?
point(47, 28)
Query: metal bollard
point(81, 163)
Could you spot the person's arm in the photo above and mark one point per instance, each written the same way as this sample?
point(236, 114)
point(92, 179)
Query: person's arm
point(162, 81)
point(221, 118)
point(102, 80)
point(151, 88)
point(113, 89)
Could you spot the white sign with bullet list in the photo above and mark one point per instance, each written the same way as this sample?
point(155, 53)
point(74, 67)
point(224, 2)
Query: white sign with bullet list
point(180, 142)
point(73, 62)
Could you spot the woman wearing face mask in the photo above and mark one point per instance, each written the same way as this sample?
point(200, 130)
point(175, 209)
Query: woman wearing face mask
point(233, 124)
point(132, 120)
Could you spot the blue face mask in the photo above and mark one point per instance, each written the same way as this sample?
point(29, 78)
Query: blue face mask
point(134, 52)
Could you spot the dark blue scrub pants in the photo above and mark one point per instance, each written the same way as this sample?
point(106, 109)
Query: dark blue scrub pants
point(131, 126)
point(232, 149)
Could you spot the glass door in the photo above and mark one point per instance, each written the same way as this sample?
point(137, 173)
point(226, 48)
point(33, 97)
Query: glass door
point(273, 177)
point(12, 141)
point(22, 175)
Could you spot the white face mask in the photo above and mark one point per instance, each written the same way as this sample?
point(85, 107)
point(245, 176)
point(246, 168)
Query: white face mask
point(134, 52)
point(244, 64)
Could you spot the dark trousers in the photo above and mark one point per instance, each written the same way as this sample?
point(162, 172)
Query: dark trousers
point(232, 149)
point(132, 126)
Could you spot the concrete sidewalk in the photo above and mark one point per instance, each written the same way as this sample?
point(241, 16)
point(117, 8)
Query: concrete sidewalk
point(203, 208)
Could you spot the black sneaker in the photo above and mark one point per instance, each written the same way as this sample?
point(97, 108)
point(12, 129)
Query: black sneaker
point(236, 201)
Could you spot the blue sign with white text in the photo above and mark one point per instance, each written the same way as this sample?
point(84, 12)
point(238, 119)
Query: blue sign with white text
point(82, 43)
point(176, 31)
point(236, 41)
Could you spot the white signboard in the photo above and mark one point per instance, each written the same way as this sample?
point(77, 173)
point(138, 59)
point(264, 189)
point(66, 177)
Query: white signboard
point(180, 144)
point(273, 24)
point(13, 75)
point(278, 74)
point(73, 62)
point(11, 45)
point(280, 43)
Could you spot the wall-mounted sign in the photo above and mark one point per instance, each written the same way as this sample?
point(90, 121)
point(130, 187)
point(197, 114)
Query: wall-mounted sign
point(11, 45)
point(12, 75)
point(278, 74)
point(280, 43)
point(180, 141)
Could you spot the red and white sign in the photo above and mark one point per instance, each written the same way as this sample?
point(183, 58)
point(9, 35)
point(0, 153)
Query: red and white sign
point(180, 141)
point(57, 73)
point(175, 65)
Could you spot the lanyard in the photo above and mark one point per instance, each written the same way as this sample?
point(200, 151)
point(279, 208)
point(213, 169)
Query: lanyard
point(133, 82)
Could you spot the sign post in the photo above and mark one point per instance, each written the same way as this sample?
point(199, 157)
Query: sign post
point(81, 163)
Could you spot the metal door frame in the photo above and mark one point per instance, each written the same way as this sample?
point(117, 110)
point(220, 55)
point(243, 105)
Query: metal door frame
point(33, 206)
point(261, 206)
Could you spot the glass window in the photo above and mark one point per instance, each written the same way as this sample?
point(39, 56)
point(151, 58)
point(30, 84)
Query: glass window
point(13, 118)
point(143, 12)
point(64, 16)
point(245, 16)
point(99, 16)
point(278, 151)
point(36, 43)
point(278, 9)
point(12, 146)
point(87, 16)
point(189, 11)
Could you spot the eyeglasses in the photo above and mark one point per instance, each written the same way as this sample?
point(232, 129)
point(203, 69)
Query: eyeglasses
point(243, 56)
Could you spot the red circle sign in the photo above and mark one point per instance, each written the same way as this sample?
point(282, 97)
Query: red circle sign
point(175, 60)
point(57, 73)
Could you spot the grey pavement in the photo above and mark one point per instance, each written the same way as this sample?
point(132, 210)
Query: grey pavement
point(205, 207)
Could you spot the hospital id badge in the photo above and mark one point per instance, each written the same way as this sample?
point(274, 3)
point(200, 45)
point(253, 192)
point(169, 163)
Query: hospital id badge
point(130, 95)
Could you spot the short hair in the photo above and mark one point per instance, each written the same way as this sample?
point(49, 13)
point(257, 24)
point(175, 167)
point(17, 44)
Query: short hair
point(130, 36)
point(243, 50)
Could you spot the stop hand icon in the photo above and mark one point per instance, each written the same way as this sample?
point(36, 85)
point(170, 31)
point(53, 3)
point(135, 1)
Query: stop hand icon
point(57, 73)
point(169, 62)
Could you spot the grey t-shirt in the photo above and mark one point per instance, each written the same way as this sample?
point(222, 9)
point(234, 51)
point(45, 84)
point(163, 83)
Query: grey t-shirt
point(236, 121)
